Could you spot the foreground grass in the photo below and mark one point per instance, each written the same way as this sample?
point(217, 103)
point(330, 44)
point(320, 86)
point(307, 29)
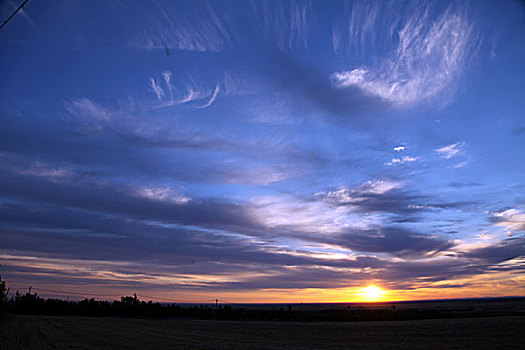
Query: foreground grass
point(46, 332)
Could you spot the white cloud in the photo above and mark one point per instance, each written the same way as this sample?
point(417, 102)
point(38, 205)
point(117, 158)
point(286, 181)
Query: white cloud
point(187, 90)
point(379, 186)
point(429, 54)
point(156, 88)
point(167, 80)
point(192, 95)
point(345, 195)
point(511, 219)
point(452, 150)
point(212, 98)
point(317, 217)
point(162, 194)
point(403, 160)
point(399, 148)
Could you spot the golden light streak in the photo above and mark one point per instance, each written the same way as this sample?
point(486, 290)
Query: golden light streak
point(371, 293)
point(122, 278)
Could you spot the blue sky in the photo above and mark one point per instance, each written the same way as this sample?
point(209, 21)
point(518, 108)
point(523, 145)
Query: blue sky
point(264, 151)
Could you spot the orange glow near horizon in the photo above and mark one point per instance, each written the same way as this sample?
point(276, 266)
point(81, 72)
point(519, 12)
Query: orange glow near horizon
point(371, 293)
point(108, 281)
point(313, 295)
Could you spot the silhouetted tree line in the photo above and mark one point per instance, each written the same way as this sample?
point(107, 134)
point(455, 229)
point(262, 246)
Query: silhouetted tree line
point(130, 306)
point(3, 296)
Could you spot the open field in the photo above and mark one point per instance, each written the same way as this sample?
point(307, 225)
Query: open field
point(46, 332)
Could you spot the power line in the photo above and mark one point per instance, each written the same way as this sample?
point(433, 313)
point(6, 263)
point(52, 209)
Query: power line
point(225, 301)
point(64, 292)
point(149, 297)
point(75, 293)
point(13, 14)
point(176, 300)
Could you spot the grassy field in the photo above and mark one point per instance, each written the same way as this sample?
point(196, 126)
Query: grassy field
point(45, 332)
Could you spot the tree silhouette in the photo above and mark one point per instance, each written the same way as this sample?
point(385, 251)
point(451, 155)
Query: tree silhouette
point(3, 296)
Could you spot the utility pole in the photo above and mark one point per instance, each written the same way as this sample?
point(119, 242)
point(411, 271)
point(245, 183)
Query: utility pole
point(216, 303)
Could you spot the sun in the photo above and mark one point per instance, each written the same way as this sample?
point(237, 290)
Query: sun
point(371, 292)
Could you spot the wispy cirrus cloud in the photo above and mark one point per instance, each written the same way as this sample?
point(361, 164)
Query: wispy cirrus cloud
point(200, 239)
point(35, 168)
point(291, 214)
point(127, 128)
point(163, 194)
point(430, 51)
point(402, 160)
point(452, 150)
point(156, 88)
point(90, 115)
point(164, 171)
point(357, 26)
point(187, 90)
point(212, 97)
point(23, 13)
point(39, 169)
point(345, 195)
point(286, 24)
point(179, 26)
point(327, 212)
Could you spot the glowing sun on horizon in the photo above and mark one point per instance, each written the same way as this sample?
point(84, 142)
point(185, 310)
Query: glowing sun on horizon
point(371, 292)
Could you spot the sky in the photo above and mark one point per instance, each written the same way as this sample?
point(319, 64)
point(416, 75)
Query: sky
point(280, 151)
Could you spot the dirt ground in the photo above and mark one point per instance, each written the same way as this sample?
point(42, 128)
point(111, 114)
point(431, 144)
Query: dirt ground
point(45, 332)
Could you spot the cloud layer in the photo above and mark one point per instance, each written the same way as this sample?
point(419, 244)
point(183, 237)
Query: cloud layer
point(431, 51)
point(263, 151)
